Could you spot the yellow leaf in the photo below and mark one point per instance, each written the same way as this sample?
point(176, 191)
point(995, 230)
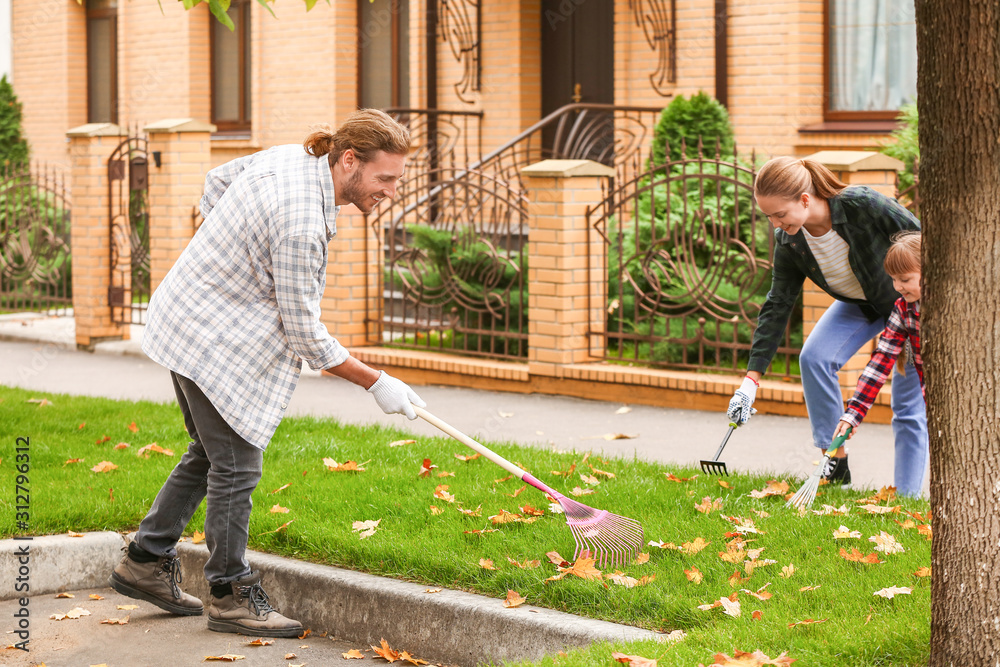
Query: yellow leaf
point(526, 565)
point(472, 457)
point(386, 652)
point(400, 443)
point(122, 445)
point(620, 578)
point(68, 461)
point(577, 491)
point(583, 568)
point(513, 600)
point(278, 509)
point(807, 621)
point(858, 557)
point(126, 607)
point(435, 510)
point(104, 466)
point(65, 595)
point(95, 596)
point(198, 537)
point(228, 657)
point(346, 466)
point(692, 548)
point(280, 488)
point(475, 512)
point(505, 517)
point(641, 558)
point(694, 575)
point(844, 532)
point(634, 660)
point(590, 479)
point(260, 642)
point(787, 571)
point(279, 528)
point(486, 564)
point(353, 654)
point(441, 492)
point(761, 594)
point(923, 572)
point(886, 543)
point(807, 588)
point(116, 621)
point(724, 484)
point(772, 488)
point(707, 504)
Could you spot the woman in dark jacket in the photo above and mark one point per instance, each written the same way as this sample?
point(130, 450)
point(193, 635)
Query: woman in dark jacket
point(837, 236)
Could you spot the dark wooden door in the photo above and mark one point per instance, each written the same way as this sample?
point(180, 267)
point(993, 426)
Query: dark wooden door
point(578, 59)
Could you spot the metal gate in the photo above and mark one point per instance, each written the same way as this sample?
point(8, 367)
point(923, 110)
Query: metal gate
point(35, 261)
point(128, 209)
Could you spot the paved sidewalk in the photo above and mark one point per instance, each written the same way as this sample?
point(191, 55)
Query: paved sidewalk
point(39, 353)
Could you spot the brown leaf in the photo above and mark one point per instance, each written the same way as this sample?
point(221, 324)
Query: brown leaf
point(279, 528)
point(609, 475)
point(425, 468)
point(486, 564)
point(589, 479)
point(531, 511)
point(65, 595)
point(80, 427)
point(634, 660)
point(526, 565)
point(505, 517)
point(641, 558)
point(260, 642)
point(153, 448)
point(558, 560)
point(122, 445)
point(757, 615)
point(694, 575)
point(503, 479)
point(475, 512)
point(68, 461)
point(42, 402)
point(95, 596)
point(707, 504)
point(806, 621)
point(923, 572)
point(885, 494)
point(583, 568)
point(126, 607)
point(481, 531)
point(132, 427)
point(671, 477)
point(473, 457)
point(386, 652)
point(518, 492)
point(228, 657)
point(406, 657)
point(735, 579)
point(761, 594)
point(858, 557)
point(880, 509)
point(692, 548)
point(755, 659)
point(772, 488)
point(104, 466)
point(926, 531)
point(565, 473)
point(292, 656)
point(346, 466)
point(116, 621)
point(514, 600)
point(805, 589)
point(435, 510)
point(441, 492)
point(278, 509)
point(724, 484)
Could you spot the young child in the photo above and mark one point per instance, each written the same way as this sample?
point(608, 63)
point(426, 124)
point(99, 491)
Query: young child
point(901, 337)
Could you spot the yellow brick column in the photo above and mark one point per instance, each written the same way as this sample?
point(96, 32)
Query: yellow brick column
point(90, 146)
point(352, 272)
point(180, 154)
point(566, 300)
point(878, 172)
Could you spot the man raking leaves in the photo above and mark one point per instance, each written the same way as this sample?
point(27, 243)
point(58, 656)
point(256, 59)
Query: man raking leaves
point(232, 321)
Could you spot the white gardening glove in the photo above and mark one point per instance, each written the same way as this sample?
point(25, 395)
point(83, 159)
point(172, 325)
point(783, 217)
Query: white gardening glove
point(740, 405)
point(395, 396)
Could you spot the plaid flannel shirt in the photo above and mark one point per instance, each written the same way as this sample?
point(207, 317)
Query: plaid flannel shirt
point(865, 219)
point(903, 328)
point(239, 310)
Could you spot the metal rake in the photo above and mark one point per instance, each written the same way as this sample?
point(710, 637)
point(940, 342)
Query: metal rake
point(610, 538)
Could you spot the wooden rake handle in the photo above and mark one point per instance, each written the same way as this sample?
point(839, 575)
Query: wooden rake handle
point(469, 442)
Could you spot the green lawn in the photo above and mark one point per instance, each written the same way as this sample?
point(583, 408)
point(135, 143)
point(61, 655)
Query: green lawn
point(413, 543)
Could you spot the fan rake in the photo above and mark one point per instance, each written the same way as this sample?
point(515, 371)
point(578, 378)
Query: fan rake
point(609, 538)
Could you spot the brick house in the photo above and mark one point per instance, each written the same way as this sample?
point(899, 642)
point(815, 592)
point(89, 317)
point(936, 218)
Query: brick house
point(797, 75)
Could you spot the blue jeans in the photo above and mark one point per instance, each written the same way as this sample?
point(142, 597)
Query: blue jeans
point(220, 464)
point(838, 335)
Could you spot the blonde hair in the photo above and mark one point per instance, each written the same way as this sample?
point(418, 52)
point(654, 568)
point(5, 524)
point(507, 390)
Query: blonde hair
point(789, 177)
point(366, 132)
point(903, 257)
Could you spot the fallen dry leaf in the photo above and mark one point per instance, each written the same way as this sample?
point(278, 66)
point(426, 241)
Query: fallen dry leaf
point(486, 564)
point(886, 543)
point(116, 621)
point(693, 547)
point(122, 445)
point(445, 474)
point(755, 659)
point(481, 531)
point(589, 479)
point(926, 531)
point(806, 621)
point(735, 579)
point(435, 510)
point(641, 559)
point(583, 568)
point(923, 572)
point(505, 414)
point(279, 528)
point(95, 596)
point(772, 488)
point(694, 575)
point(892, 591)
point(609, 475)
point(346, 466)
point(565, 473)
point(531, 511)
point(400, 443)
point(406, 657)
point(884, 495)
point(198, 537)
point(518, 492)
point(441, 492)
point(858, 557)
point(844, 532)
point(556, 559)
point(40, 401)
point(69, 461)
point(514, 600)
point(577, 491)
point(365, 528)
point(671, 477)
point(475, 512)
point(278, 509)
point(74, 613)
point(808, 588)
point(433, 590)
point(880, 509)
point(132, 427)
point(126, 607)
point(353, 654)
point(260, 642)
point(102, 440)
point(228, 657)
point(280, 488)
point(707, 505)
point(386, 652)
point(526, 565)
point(425, 468)
point(506, 517)
point(724, 484)
point(153, 448)
point(473, 457)
point(830, 510)
point(787, 571)
point(104, 466)
point(623, 410)
point(292, 656)
point(761, 594)
point(634, 660)
point(730, 607)
point(65, 595)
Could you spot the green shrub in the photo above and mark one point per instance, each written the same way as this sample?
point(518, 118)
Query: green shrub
point(905, 145)
point(687, 120)
point(13, 147)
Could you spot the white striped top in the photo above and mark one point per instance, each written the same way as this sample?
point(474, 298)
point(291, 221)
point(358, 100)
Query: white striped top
point(830, 251)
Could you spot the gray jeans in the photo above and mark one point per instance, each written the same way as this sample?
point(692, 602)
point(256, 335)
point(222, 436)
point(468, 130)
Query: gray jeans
point(220, 464)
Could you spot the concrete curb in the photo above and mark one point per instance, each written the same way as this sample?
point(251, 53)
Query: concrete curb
point(451, 626)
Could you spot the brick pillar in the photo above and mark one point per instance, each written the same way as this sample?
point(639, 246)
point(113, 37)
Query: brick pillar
point(878, 172)
point(352, 280)
point(565, 300)
point(90, 147)
point(179, 155)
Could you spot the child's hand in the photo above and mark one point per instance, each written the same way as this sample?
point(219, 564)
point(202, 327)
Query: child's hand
point(842, 426)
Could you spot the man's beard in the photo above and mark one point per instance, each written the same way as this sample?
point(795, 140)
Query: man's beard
point(353, 193)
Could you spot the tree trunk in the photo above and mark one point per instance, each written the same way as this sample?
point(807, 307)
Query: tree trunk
point(958, 66)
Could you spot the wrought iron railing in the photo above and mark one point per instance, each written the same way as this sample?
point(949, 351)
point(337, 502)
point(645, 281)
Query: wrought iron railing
point(128, 213)
point(441, 138)
point(35, 258)
point(685, 265)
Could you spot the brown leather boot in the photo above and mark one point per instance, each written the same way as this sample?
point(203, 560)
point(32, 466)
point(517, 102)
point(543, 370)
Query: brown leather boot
point(247, 611)
point(155, 582)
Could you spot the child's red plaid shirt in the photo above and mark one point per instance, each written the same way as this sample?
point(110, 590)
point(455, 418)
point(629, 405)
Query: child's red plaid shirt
point(903, 327)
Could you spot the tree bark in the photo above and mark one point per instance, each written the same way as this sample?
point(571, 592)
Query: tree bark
point(958, 67)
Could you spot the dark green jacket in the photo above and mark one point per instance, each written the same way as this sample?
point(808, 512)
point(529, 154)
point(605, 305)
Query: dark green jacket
point(866, 220)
